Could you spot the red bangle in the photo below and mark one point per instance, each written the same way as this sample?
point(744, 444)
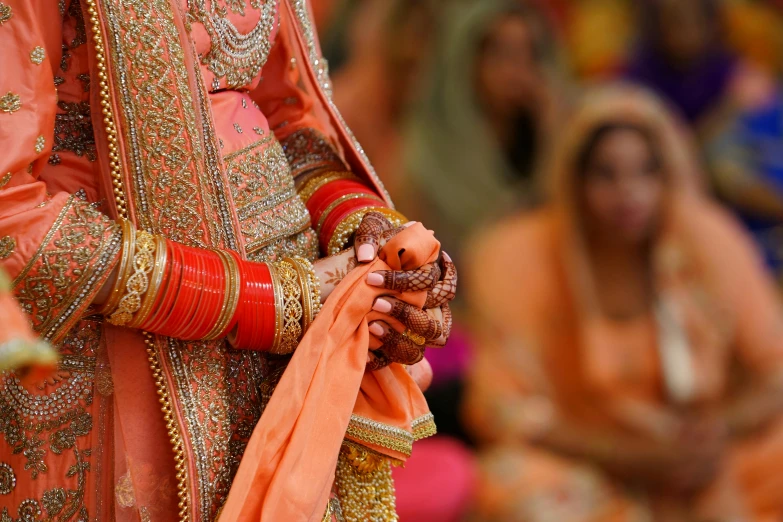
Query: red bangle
point(240, 336)
point(162, 316)
point(267, 310)
point(190, 293)
point(322, 199)
point(233, 321)
point(328, 191)
point(337, 215)
point(256, 311)
point(174, 319)
point(218, 292)
point(211, 295)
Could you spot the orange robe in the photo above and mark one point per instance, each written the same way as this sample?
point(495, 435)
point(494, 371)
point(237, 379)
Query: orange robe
point(547, 355)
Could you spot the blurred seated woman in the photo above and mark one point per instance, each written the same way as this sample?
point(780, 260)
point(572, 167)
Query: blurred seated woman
point(630, 358)
point(474, 142)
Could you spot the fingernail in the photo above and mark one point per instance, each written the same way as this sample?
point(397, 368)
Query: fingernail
point(382, 306)
point(365, 253)
point(409, 224)
point(376, 329)
point(447, 257)
point(375, 279)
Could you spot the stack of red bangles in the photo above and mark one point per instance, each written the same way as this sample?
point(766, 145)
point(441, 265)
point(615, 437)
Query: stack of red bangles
point(190, 293)
point(337, 202)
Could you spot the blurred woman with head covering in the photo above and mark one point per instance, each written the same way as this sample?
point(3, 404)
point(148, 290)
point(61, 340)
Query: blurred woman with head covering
point(734, 104)
point(631, 345)
point(475, 143)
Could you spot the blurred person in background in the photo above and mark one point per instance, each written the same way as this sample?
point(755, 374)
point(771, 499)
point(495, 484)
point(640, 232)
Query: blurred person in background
point(379, 48)
point(630, 360)
point(475, 143)
point(744, 151)
point(681, 55)
point(734, 105)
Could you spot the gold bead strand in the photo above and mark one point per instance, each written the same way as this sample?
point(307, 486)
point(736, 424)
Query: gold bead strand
point(106, 109)
point(171, 426)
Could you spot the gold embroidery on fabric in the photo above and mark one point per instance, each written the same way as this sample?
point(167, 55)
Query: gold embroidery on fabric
point(307, 150)
point(68, 268)
point(5, 179)
point(7, 479)
point(321, 68)
point(54, 501)
point(5, 13)
point(73, 131)
point(235, 56)
point(7, 245)
point(40, 144)
point(424, 427)
point(10, 102)
point(263, 190)
point(218, 391)
point(75, 12)
point(174, 193)
point(319, 63)
point(37, 55)
point(177, 444)
point(49, 423)
point(303, 244)
point(369, 431)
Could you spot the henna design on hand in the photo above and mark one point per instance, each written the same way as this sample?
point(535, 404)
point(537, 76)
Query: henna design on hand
point(423, 278)
point(417, 320)
point(444, 290)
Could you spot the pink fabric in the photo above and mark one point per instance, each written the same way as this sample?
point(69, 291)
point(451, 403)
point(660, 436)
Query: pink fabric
point(438, 483)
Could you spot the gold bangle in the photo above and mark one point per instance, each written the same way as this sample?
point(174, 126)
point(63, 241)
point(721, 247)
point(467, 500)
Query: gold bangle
point(317, 181)
point(349, 225)
point(307, 295)
point(231, 299)
point(277, 288)
point(156, 279)
point(292, 309)
point(339, 201)
point(124, 271)
point(313, 283)
point(138, 283)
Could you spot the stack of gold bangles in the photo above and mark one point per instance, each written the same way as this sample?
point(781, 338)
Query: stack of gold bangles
point(189, 293)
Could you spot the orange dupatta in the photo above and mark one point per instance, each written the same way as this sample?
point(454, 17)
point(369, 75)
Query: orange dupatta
point(288, 467)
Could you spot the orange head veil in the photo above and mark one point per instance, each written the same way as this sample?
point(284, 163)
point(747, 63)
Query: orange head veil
point(687, 336)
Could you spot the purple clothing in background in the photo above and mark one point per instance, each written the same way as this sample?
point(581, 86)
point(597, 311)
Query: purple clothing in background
point(450, 362)
point(694, 90)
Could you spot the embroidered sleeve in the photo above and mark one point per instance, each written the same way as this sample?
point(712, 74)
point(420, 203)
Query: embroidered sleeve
point(335, 198)
point(57, 248)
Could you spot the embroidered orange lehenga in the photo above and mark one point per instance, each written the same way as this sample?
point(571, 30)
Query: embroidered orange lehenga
point(191, 119)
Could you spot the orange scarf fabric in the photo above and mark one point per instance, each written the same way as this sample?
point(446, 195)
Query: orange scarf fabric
point(288, 467)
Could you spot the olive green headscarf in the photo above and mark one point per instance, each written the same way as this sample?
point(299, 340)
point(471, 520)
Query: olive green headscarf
point(457, 175)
